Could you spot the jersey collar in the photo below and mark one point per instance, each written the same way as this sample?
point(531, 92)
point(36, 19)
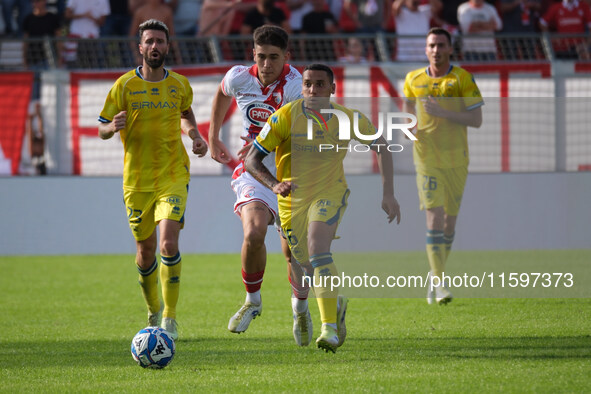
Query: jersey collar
point(254, 71)
point(428, 72)
point(138, 73)
point(313, 114)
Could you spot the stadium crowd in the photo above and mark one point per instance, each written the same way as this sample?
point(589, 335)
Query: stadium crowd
point(202, 18)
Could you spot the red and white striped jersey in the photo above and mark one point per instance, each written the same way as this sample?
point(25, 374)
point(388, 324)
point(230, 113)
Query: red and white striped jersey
point(257, 102)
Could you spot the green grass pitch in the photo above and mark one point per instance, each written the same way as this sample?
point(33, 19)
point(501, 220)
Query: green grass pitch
point(67, 324)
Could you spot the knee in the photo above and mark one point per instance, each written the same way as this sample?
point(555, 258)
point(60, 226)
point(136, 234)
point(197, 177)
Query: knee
point(435, 218)
point(255, 236)
point(169, 247)
point(318, 246)
point(145, 257)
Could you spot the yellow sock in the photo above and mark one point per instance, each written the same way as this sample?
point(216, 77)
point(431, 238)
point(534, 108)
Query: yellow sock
point(148, 280)
point(326, 298)
point(436, 252)
point(170, 277)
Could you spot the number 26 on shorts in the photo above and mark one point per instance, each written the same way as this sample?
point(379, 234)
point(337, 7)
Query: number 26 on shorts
point(429, 183)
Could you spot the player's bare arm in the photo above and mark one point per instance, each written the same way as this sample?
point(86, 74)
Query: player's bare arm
point(389, 203)
point(244, 150)
point(470, 118)
point(219, 109)
point(107, 130)
point(189, 126)
point(254, 165)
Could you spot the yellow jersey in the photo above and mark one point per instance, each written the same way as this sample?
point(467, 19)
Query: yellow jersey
point(441, 143)
point(312, 159)
point(154, 155)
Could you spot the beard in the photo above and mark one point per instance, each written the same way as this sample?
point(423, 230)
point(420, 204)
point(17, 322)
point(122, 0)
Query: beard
point(154, 62)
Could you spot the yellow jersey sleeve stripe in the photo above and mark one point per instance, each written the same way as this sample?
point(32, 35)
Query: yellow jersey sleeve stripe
point(261, 148)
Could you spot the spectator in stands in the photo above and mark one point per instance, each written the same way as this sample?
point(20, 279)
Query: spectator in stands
point(336, 8)
point(159, 10)
point(354, 52)
point(152, 9)
point(186, 17)
point(297, 10)
point(412, 18)
point(86, 18)
point(448, 16)
point(479, 18)
point(58, 7)
point(568, 17)
point(34, 131)
point(319, 21)
point(23, 8)
point(186, 24)
point(39, 24)
point(520, 16)
point(265, 13)
point(117, 25)
point(118, 21)
point(133, 5)
point(370, 16)
point(217, 16)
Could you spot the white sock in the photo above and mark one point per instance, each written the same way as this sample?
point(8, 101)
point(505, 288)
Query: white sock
point(333, 325)
point(299, 306)
point(254, 298)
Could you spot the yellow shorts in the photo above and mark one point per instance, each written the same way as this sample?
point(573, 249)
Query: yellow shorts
point(442, 187)
point(294, 223)
point(146, 209)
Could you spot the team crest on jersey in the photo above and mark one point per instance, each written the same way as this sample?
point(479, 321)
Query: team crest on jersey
point(277, 97)
point(173, 91)
point(258, 113)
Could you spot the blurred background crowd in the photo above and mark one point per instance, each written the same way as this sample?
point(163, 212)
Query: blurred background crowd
point(478, 22)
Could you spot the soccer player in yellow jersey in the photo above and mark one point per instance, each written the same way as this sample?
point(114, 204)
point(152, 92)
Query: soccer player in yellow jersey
point(446, 100)
point(149, 107)
point(311, 186)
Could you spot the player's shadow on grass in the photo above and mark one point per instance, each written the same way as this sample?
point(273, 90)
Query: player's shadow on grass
point(242, 351)
point(507, 348)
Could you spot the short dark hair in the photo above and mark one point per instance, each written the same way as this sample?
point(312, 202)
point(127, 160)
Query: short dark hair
point(440, 31)
point(320, 67)
point(271, 35)
point(153, 24)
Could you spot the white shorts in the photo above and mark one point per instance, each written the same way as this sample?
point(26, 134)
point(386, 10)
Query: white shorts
point(249, 190)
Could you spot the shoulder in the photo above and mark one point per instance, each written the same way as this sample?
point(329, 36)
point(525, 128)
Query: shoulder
point(181, 80)
point(461, 73)
point(282, 117)
point(411, 75)
point(463, 7)
point(554, 8)
point(237, 72)
point(293, 75)
point(125, 78)
point(286, 109)
point(177, 76)
point(425, 8)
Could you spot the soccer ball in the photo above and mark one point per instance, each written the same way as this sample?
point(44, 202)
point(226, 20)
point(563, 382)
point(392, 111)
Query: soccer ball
point(152, 347)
